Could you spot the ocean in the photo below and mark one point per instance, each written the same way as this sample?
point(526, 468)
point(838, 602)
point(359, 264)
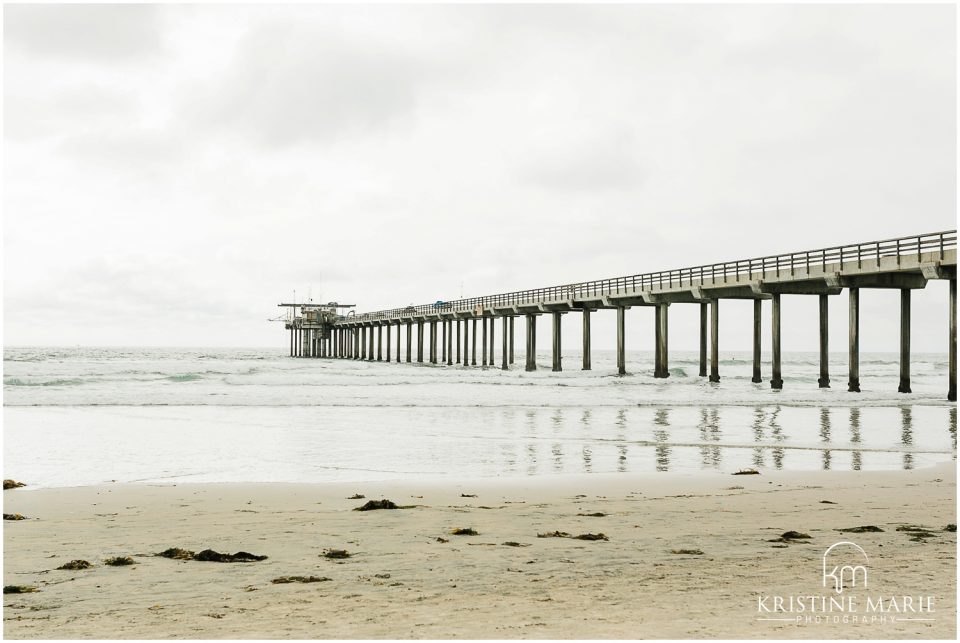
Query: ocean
point(85, 416)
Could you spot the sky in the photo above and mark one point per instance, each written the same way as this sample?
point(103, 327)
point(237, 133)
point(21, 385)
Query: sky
point(172, 172)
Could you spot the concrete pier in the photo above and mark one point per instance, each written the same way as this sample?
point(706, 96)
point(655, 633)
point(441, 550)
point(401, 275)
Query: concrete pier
point(531, 342)
point(714, 340)
point(661, 367)
point(621, 341)
point(905, 264)
point(703, 340)
point(952, 343)
point(757, 327)
point(776, 382)
point(853, 384)
point(824, 380)
point(586, 340)
point(504, 353)
point(904, 341)
point(557, 357)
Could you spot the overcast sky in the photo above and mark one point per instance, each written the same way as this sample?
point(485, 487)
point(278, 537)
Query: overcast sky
point(173, 172)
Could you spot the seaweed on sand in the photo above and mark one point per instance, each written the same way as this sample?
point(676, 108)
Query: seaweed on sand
point(75, 564)
point(217, 557)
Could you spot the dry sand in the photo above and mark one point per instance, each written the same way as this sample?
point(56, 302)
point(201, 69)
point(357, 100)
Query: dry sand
point(401, 582)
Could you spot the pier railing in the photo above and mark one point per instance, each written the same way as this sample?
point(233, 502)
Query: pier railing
point(863, 253)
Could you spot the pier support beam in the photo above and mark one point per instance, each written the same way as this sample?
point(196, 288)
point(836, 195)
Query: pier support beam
point(776, 382)
point(409, 342)
point(952, 343)
point(586, 340)
point(511, 340)
point(466, 342)
point(363, 342)
point(504, 353)
point(493, 342)
point(399, 327)
point(757, 327)
point(661, 366)
point(380, 345)
point(824, 380)
point(370, 350)
point(473, 345)
point(458, 341)
point(557, 356)
point(714, 340)
point(621, 341)
point(450, 342)
point(531, 342)
point(420, 342)
point(853, 385)
point(904, 341)
point(292, 340)
point(443, 341)
point(703, 340)
point(389, 332)
point(483, 346)
point(433, 342)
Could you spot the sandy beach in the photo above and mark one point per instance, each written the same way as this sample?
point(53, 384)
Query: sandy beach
point(408, 576)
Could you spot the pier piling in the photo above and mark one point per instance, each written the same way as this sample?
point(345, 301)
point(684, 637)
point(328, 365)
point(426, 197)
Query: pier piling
point(531, 342)
point(853, 383)
point(557, 358)
point(714, 340)
point(586, 339)
point(952, 343)
point(757, 328)
point(904, 341)
point(621, 341)
point(776, 382)
point(703, 340)
point(824, 379)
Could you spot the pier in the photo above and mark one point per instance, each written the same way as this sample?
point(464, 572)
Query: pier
point(905, 264)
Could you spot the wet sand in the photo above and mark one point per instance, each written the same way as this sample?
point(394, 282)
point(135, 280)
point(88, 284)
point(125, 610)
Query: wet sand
point(402, 582)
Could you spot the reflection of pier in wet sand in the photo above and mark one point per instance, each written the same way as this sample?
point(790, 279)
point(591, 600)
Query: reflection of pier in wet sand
point(644, 441)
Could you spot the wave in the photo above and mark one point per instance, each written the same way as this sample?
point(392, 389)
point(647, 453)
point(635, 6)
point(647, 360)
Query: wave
point(186, 377)
point(13, 381)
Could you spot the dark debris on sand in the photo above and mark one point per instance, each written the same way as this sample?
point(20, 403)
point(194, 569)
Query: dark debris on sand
point(336, 554)
point(300, 579)
point(464, 531)
point(591, 537)
point(950, 527)
point(176, 553)
point(513, 543)
point(554, 534)
point(75, 565)
point(209, 555)
point(14, 517)
point(119, 561)
point(746, 472)
point(371, 505)
point(689, 552)
point(12, 484)
point(790, 537)
point(917, 533)
point(863, 529)
point(357, 496)
point(216, 557)
point(596, 514)
point(19, 589)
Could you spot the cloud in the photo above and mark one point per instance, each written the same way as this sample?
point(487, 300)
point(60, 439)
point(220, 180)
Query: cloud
point(102, 33)
point(293, 85)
